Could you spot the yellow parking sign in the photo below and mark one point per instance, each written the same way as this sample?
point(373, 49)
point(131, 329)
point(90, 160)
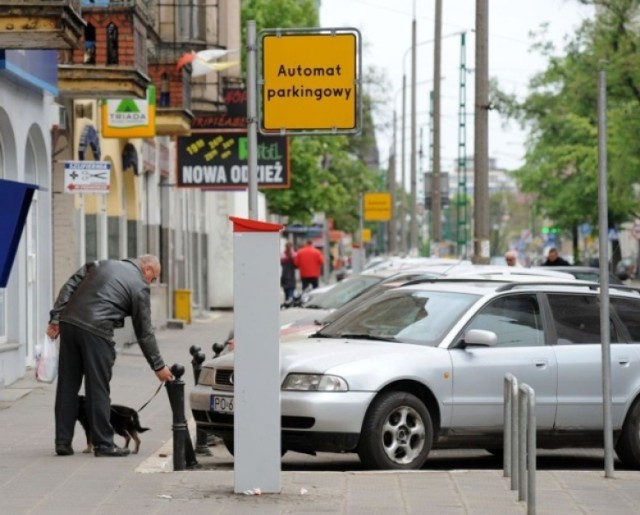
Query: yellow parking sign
point(310, 81)
point(377, 207)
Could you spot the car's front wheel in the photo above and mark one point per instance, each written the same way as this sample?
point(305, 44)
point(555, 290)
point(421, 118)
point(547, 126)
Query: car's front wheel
point(628, 444)
point(397, 433)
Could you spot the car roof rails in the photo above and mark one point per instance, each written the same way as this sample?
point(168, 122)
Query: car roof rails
point(588, 284)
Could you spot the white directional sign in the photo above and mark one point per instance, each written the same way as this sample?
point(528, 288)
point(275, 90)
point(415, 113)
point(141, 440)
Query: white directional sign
point(87, 176)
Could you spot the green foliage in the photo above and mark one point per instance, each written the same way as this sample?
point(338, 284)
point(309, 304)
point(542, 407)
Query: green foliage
point(560, 112)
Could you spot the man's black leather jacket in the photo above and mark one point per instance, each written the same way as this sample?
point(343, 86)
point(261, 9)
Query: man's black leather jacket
point(101, 294)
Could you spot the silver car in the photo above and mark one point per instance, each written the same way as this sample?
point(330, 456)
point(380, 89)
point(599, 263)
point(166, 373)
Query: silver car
point(422, 367)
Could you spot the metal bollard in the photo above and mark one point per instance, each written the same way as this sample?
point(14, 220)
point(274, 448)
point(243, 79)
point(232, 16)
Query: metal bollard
point(514, 434)
point(198, 357)
point(183, 455)
point(527, 489)
point(506, 436)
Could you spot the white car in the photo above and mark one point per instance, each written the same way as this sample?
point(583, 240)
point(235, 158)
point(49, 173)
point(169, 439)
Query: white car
point(423, 367)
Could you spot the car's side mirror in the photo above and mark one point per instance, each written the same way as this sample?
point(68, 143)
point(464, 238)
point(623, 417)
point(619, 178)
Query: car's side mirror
point(479, 337)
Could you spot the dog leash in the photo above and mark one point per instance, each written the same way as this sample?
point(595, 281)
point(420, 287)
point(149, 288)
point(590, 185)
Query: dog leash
point(156, 393)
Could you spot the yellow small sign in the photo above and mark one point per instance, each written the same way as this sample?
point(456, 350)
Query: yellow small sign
point(366, 235)
point(129, 117)
point(309, 81)
point(377, 207)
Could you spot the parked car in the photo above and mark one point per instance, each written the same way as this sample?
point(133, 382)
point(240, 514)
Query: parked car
point(306, 326)
point(583, 273)
point(340, 293)
point(422, 367)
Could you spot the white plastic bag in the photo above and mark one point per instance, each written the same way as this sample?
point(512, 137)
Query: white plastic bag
point(46, 361)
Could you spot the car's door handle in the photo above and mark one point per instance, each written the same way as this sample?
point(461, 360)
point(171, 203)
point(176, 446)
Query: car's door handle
point(624, 361)
point(540, 363)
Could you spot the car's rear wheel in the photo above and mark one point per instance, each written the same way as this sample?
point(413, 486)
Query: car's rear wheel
point(628, 444)
point(397, 433)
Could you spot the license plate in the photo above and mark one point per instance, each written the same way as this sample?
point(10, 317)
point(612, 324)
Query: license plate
point(221, 404)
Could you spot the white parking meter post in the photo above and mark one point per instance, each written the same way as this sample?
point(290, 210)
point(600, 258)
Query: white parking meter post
point(256, 375)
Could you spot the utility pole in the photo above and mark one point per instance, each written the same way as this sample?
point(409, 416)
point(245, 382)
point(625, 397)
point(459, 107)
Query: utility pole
point(413, 244)
point(391, 185)
point(403, 211)
point(436, 199)
point(481, 246)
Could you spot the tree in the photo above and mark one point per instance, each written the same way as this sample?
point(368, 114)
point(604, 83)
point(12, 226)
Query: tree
point(561, 162)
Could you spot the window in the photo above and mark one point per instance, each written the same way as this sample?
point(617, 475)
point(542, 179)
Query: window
point(515, 319)
point(191, 19)
point(629, 312)
point(577, 319)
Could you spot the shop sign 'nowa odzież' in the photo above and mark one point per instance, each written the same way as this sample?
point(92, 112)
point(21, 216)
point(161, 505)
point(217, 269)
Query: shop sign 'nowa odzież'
point(310, 81)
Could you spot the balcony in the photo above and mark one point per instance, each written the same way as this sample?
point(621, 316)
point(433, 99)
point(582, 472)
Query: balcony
point(44, 24)
point(173, 101)
point(111, 61)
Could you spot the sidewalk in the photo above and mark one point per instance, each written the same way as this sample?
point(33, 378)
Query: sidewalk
point(34, 480)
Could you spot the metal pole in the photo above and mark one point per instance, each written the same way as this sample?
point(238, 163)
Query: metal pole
point(413, 233)
point(531, 451)
point(514, 434)
point(506, 444)
point(481, 245)
point(522, 442)
point(436, 198)
point(391, 184)
point(604, 272)
point(252, 120)
point(403, 210)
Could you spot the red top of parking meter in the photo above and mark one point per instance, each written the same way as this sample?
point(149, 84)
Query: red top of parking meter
point(246, 225)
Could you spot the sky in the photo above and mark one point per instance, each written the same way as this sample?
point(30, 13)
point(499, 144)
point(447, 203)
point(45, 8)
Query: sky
point(385, 27)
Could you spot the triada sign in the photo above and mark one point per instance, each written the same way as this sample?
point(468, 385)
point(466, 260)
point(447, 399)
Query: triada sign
point(130, 117)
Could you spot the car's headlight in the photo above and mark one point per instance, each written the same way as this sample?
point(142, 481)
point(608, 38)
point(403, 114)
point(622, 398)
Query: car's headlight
point(206, 377)
point(315, 383)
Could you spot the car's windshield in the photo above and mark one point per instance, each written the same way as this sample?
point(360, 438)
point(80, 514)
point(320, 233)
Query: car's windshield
point(409, 316)
point(343, 292)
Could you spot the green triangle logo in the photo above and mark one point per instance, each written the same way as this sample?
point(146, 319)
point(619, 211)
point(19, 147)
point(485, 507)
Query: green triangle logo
point(128, 105)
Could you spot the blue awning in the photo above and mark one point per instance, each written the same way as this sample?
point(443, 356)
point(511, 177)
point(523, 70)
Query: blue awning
point(15, 199)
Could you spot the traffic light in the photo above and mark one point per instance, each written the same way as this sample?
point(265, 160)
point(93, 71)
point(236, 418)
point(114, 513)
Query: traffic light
point(550, 230)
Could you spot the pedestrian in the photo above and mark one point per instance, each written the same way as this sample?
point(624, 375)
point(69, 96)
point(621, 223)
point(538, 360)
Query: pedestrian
point(554, 259)
point(91, 304)
point(288, 275)
point(511, 258)
point(309, 261)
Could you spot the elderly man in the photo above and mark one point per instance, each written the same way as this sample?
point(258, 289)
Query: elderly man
point(511, 257)
point(91, 304)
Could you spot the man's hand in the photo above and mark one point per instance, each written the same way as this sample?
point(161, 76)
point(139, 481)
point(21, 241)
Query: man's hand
point(164, 374)
point(53, 330)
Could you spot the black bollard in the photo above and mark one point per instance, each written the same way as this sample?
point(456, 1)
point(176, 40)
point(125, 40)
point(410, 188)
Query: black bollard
point(183, 455)
point(198, 358)
point(196, 365)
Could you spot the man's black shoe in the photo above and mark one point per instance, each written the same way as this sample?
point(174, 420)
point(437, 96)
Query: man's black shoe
point(111, 452)
point(64, 449)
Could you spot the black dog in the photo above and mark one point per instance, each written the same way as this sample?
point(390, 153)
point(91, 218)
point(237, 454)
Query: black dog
point(124, 420)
